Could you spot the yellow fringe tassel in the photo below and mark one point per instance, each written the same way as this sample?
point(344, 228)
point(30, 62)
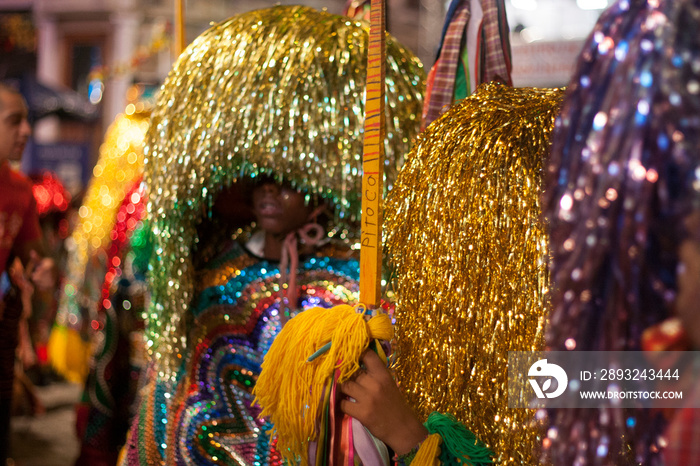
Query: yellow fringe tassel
point(290, 389)
point(429, 452)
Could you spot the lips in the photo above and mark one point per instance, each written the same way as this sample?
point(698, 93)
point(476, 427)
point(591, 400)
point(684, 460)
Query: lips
point(19, 150)
point(268, 208)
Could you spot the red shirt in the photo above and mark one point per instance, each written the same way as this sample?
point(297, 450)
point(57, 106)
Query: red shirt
point(19, 221)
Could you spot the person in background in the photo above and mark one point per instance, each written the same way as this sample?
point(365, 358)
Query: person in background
point(54, 206)
point(20, 238)
point(110, 297)
point(118, 168)
point(622, 201)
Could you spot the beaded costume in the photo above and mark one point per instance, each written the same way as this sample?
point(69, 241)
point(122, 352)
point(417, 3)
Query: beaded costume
point(236, 315)
point(271, 92)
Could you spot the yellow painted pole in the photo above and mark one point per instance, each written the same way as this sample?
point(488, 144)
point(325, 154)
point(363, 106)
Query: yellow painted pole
point(179, 44)
point(373, 161)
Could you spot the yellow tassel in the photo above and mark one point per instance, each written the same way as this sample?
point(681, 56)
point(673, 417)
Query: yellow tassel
point(429, 452)
point(290, 388)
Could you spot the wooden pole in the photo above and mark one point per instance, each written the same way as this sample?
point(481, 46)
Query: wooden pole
point(179, 44)
point(373, 161)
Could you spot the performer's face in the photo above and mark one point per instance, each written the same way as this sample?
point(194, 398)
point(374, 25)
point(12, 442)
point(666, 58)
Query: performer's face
point(279, 209)
point(14, 128)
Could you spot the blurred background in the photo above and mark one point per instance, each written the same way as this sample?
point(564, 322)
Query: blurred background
point(77, 59)
point(81, 63)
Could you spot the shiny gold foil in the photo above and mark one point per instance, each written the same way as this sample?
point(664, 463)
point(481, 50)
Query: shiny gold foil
point(276, 91)
point(470, 255)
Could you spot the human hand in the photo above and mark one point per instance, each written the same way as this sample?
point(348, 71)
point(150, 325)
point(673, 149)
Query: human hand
point(42, 272)
point(25, 350)
point(379, 405)
point(26, 289)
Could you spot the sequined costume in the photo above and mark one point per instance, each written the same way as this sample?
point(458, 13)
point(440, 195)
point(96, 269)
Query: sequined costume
point(236, 315)
point(271, 92)
point(469, 251)
point(624, 173)
point(278, 91)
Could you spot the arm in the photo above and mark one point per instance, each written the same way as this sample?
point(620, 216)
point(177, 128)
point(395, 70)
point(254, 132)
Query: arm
point(41, 270)
point(29, 247)
point(24, 344)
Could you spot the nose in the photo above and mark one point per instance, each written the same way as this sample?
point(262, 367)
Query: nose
point(270, 188)
point(25, 128)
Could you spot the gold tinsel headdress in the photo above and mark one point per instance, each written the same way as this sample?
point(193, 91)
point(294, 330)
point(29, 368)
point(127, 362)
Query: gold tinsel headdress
point(470, 254)
point(276, 91)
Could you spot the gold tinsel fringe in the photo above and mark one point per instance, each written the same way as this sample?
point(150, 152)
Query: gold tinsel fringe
point(470, 256)
point(276, 91)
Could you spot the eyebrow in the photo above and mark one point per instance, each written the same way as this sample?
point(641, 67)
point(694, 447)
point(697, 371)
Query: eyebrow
point(20, 114)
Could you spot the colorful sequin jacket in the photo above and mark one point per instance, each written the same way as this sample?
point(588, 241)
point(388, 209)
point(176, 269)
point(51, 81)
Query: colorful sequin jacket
point(205, 415)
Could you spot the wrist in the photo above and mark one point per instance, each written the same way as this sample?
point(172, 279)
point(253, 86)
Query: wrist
point(407, 458)
point(408, 438)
